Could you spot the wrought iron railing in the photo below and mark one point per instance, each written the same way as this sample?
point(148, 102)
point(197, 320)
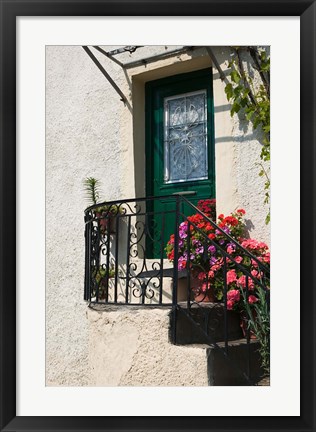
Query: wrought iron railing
point(126, 263)
point(214, 322)
point(125, 256)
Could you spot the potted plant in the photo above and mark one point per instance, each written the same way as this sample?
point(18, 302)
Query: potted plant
point(251, 298)
point(105, 213)
point(101, 276)
point(205, 260)
point(246, 282)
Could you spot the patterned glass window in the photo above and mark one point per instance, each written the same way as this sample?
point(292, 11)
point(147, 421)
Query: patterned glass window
point(185, 137)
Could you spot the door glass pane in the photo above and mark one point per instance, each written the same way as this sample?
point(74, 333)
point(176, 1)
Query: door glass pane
point(185, 137)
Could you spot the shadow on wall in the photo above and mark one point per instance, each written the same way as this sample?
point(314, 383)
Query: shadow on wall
point(237, 139)
point(249, 227)
point(129, 82)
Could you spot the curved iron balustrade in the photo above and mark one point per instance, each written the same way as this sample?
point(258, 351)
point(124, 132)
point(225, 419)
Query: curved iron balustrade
point(117, 267)
point(120, 271)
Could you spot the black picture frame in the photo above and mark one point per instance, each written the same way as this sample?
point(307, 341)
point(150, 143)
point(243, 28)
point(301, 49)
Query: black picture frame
point(307, 12)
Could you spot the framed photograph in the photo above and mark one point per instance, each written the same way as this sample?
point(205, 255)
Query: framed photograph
point(138, 210)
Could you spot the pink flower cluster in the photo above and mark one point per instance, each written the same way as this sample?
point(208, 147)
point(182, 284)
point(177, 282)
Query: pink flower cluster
point(233, 297)
point(208, 250)
point(260, 249)
point(241, 281)
point(236, 280)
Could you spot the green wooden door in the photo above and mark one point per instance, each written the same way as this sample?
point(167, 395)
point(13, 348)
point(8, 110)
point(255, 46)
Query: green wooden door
point(179, 145)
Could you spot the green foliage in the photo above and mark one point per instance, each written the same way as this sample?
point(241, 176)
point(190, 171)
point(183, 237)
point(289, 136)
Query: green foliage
point(101, 276)
point(91, 187)
point(254, 100)
point(266, 200)
point(258, 318)
point(102, 272)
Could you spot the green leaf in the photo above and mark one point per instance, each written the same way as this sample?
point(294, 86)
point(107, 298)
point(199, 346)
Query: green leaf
point(237, 91)
point(246, 261)
point(235, 109)
point(235, 76)
point(229, 91)
point(256, 122)
point(91, 187)
point(243, 102)
point(265, 68)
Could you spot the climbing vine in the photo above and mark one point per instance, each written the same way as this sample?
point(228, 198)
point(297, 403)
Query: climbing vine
point(254, 98)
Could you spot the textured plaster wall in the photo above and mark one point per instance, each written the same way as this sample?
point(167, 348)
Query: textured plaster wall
point(130, 347)
point(85, 136)
point(90, 132)
point(237, 150)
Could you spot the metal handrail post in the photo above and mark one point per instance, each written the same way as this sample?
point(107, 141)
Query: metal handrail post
point(87, 280)
point(176, 253)
point(175, 270)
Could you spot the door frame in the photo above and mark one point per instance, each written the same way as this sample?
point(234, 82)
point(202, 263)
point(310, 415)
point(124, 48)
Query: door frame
point(150, 88)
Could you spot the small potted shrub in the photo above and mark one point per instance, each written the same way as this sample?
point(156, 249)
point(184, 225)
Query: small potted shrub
point(107, 217)
point(105, 213)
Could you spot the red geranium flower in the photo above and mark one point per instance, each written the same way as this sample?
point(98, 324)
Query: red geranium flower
point(252, 299)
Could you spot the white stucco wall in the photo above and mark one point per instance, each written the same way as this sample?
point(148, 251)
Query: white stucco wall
point(90, 132)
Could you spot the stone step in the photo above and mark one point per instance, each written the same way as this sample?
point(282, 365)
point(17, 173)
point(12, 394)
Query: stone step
point(242, 358)
point(131, 347)
point(226, 366)
point(209, 317)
